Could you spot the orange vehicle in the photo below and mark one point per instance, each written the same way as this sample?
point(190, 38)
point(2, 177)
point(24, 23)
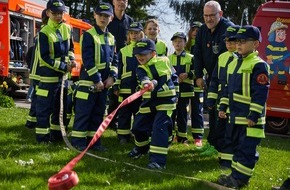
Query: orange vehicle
point(19, 22)
point(273, 20)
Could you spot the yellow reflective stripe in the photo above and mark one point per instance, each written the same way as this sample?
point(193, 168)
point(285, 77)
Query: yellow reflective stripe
point(147, 95)
point(92, 71)
point(91, 133)
point(143, 143)
point(114, 69)
point(255, 132)
point(244, 121)
point(165, 107)
point(31, 119)
point(86, 83)
point(176, 88)
point(158, 150)
point(219, 87)
point(197, 89)
point(71, 55)
point(188, 81)
point(42, 92)
point(49, 79)
point(224, 101)
point(82, 95)
point(54, 127)
point(42, 131)
point(256, 107)
point(144, 110)
point(186, 94)
point(56, 63)
point(197, 130)
point(118, 82)
point(225, 156)
point(68, 116)
point(166, 93)
point(165, 87)
point(120, 99)
point(180, 134)
point(79, 134)
point(212, 95)
point(246, 84)
point(123, 131)
point(125, 75)
point(125, 91)
point(34, 77)
point(241, 98)
point(244, 170)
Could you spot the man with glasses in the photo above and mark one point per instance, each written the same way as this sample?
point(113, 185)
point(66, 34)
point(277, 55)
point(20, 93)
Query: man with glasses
point(209, 45)
point(56, 57)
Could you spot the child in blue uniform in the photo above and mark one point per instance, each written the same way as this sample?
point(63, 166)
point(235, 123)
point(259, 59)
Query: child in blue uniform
point(245, 95)
point(154, 115)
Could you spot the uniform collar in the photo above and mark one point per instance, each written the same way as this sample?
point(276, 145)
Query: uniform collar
point(53, 24)
point(99, 31)
point(182, 53)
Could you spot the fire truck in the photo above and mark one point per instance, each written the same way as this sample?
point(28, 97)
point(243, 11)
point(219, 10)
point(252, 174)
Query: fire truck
point(19, 22)
point(273, 20)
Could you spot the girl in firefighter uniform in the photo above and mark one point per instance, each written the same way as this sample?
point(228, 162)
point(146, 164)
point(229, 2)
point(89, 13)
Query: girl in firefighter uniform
point(245, 95)
point(127, 84)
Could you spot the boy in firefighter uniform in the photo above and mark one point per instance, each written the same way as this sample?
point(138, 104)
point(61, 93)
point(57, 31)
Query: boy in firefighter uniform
point(126, 83)
point(182, 62)
point(154, 116)
point(245, 95)
point(217, 82)
point(56, 57)
point(98, 73)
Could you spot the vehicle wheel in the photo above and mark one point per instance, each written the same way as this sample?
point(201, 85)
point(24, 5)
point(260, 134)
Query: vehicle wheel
point(277, 125)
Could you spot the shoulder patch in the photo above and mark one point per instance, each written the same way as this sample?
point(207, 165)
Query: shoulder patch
point(262, 79)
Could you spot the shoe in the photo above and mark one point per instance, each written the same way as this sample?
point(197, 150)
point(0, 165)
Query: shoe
point(209, 152)
point(135, 153)
point(80, 148)
point(185, 142)
point(198, 143)
point(99, 148)
point(231, 182)
point(155, 166)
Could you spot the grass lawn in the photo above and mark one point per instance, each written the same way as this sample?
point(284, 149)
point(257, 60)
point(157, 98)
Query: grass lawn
point(183, 166)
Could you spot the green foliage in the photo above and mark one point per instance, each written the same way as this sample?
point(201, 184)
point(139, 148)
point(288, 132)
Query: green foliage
point(5, 100)
point(190, 11)
point(186, 169)
point(83, 9)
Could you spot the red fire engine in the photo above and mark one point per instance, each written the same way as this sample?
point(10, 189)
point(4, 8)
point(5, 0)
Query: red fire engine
point(19, 22)
point(273, 20)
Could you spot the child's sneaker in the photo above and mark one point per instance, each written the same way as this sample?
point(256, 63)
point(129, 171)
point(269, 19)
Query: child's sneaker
point(198, 143)
point(135, 153)
point(155, 166)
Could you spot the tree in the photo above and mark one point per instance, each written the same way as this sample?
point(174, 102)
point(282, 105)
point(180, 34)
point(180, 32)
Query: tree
point(190, 11)
point(83, 8)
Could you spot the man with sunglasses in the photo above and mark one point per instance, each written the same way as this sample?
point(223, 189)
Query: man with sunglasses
point(56, 57)
point(208, 46)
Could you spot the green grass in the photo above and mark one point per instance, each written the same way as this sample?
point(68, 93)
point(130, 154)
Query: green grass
point(183, 165)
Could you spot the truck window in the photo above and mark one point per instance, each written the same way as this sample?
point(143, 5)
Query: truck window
point(76, 34)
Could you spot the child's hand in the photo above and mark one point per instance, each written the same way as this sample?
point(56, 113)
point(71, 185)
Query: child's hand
point(109, 82)
point(151, 85)
point(251, 123)
point(222, 115)
point(183, 76)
